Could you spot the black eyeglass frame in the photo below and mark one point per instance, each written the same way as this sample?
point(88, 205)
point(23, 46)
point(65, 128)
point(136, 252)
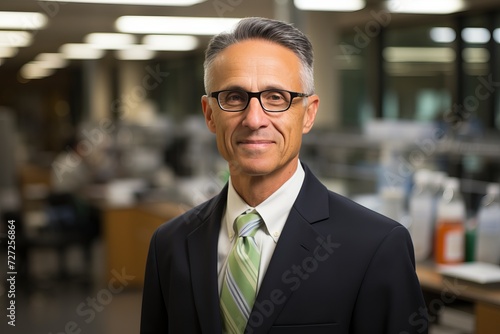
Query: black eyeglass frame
point(257, 95)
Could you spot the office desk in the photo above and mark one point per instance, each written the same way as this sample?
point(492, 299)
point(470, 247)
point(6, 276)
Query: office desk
point(485, 299)
point(127, 231)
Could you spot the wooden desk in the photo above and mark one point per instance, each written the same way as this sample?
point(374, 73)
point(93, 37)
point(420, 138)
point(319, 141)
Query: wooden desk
point(486, 300)
point(127, 232)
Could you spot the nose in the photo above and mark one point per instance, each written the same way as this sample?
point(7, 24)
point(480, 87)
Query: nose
point(254, 116)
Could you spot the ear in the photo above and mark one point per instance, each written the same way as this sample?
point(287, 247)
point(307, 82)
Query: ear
point(208, 113)
point(310, 114)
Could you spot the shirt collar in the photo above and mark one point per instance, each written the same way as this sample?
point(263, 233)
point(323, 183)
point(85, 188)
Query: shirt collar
point(274, 210)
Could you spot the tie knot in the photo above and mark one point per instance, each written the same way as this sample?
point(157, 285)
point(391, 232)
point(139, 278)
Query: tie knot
point(246, 224)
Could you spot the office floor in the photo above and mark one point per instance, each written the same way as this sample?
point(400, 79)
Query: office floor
point(48, 306)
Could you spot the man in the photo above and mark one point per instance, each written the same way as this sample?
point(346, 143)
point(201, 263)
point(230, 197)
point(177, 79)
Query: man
point(325, 264)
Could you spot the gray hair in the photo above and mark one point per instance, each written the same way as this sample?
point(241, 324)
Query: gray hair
point(275, 31)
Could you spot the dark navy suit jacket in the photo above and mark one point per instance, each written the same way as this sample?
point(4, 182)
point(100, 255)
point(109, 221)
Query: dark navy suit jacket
point(337, 268)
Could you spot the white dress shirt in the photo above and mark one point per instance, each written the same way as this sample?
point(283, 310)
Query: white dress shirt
point(274, 211)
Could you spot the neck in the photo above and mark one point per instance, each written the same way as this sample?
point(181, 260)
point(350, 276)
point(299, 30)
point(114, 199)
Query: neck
point(255, 189)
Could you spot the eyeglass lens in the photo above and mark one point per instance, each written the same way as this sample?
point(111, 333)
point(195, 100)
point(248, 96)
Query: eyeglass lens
point(271, 100)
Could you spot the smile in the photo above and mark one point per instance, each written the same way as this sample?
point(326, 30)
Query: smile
point(255, 143)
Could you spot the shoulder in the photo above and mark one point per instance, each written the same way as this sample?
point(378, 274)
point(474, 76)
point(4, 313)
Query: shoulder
point(359, 228)
point(351, 223)
point(317, 203)
point(193, 218)
point(343, 207)
point(361, 222)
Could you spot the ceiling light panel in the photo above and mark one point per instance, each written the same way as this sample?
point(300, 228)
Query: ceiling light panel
point(496, 35)
point(332, 5)
point(476, 55)
point(80, 51)
point(425, 6)
point(8, 52)
point(15, 38)
point(476, 35)
point(443, 35)
point(170, 42)
point(31, 71)
point(51, 60)
point(174, 25)
point(22, 20)
point(110, 41)
point(137, 2)
point(135, 52)
point(418, 55)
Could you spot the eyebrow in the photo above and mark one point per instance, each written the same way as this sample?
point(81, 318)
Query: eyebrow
point(237, 87)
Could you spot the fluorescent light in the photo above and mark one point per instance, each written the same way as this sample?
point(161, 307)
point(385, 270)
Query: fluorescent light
point(15, 38)
point(138, 2)
point(476, 35)
point(110, 41)
point(8, 52)
point(51, 60)
point(424, 55)
point(174, 25)
point(22, 20)
point(443, 34)
point(80, 51)
point(170, 42)
point(476, 55)
point(43, 66)
point(332, 5)
point(496, 35)
point(34, 71)
point(426, 6)
point(135, 52)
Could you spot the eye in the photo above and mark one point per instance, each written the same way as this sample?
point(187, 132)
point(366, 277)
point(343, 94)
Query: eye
point(235, 97)
point(276, 97)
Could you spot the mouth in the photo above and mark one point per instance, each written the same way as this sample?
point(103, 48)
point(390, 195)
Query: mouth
point(255, 143)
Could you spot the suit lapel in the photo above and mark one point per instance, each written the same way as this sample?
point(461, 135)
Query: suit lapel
point(297, 243)
point(202, 253)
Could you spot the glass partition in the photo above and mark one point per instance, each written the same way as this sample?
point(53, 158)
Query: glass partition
point(496, 65)
point(355, 72)
point(446, 70)
point(418, 63)
point(474, 105)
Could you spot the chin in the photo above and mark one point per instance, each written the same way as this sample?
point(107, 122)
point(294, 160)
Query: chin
point(252, 168)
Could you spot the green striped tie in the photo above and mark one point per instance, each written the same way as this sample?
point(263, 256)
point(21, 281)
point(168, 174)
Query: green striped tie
point(240, 281)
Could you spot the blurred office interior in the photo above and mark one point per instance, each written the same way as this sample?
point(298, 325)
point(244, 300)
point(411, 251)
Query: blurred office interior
point(102, 137)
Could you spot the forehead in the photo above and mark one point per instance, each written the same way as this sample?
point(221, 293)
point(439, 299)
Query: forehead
point(256, 63)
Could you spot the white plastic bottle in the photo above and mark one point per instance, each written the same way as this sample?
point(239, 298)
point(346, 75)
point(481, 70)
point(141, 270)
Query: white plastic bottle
point(488, 227)
point(450, 225)
point(421, 210)
point(391, 183)
point(438, 180)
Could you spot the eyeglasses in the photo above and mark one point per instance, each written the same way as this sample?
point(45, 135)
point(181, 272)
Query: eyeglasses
point(272, 100)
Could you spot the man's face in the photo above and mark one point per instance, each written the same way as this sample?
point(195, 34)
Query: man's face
point(254, 141)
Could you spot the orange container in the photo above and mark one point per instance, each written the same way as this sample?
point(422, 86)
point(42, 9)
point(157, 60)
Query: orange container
point(449, 242)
